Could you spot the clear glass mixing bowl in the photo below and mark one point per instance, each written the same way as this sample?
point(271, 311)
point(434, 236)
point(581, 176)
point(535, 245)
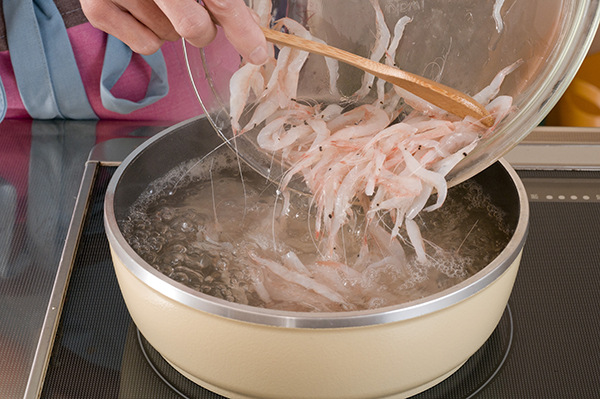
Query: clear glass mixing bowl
point(460, 43)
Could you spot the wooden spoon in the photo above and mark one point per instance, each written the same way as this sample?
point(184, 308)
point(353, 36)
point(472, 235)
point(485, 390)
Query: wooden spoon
point(442, 96)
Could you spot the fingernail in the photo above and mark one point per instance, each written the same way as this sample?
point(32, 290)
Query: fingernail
point(258, 56)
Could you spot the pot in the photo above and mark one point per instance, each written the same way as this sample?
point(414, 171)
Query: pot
point(241, 351)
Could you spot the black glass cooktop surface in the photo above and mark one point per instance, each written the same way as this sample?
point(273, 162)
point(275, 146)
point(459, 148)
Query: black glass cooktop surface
point(547, 344)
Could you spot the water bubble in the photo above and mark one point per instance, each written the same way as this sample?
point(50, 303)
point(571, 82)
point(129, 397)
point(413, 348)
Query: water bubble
point(154, 244)
point(173, 259)
point(183, 225)
point(165, 213)
point(178, 248)
point(180, 277)
point(165, 269)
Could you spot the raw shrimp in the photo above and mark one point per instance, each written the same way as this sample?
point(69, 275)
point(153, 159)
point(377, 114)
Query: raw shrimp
point(427, 176)
point(332, 65)
point(415, 238)
point(382, 39)
point(491, 91)
point(388, 157)
point(496, 15)
point(423, 106)
point(398, 32)
point(263, 9)
point(247, 77)
point(274, 137)
point(276, 95)
point(300, 279)
point(390, 54)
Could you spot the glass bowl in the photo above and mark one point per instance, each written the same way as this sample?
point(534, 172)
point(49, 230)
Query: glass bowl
point(463, 44)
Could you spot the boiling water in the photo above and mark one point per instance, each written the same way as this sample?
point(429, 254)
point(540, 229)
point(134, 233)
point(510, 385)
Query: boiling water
point(208, 230)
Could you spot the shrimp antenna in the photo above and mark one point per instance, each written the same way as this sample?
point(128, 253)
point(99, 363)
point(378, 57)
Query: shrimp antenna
point(233, 139)
point(212, 187)
point(467, 236)
point(308, 219)
point(198, 163)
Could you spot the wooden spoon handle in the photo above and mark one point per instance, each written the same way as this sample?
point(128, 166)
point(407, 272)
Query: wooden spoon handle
point(442, 96)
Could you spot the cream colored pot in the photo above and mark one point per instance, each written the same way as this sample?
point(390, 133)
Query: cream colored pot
point(244, 352)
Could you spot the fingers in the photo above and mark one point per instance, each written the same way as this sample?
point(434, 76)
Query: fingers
point(149, 14)
point(144, 25)
point(138, 23)
point(240, 28)
point(190, 19)
point(193, 22)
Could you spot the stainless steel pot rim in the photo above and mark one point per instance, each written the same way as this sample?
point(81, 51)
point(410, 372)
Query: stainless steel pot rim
point(205, 303)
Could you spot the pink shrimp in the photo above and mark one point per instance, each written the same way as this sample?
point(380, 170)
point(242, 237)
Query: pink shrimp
point(500, 107)
point(428, 176)
point(257, 278)
point(414, 234)
point(291, 261)
point(267, 106)
point(445, 165)
point(376, 169)
point(273, 96)
point(289, 80)
point(274, 136)
point(390, 53)
point(418, 202)
point(390, 247)
point(375, 119)
point(491, 91)
point(351, 183)
point(322, 133)
point(398, 32)
point(241, 82)
point(263, 9)
point(382, 40)
point(421, 105)
point(300, 279)
point(332, 65)
point(496, 15)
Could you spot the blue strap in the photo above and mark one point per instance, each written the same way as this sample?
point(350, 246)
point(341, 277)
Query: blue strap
point(3, 101)
point(44, 65)
point(46, 72)
point(116, 59)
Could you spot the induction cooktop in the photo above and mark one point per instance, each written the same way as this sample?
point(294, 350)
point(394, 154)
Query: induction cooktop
point(547, 344)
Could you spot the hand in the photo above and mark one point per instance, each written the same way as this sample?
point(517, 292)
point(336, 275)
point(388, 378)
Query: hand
point(144, 25)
